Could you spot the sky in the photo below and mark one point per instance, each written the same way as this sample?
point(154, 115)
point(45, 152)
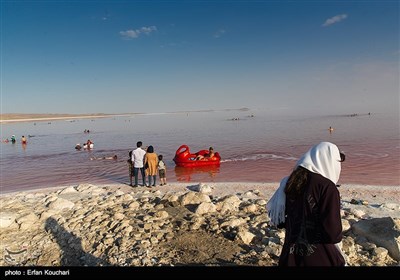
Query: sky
point(285, 57)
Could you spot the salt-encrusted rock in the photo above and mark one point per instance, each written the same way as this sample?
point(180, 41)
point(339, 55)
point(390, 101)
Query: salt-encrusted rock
point(85, 187)
point(197, 222)
point(61, 204)
point(229, 204)
point(205, 207)
point(119, 193)
point(235, 222)
point(30, 219)
point(245, 235)
point(29, 196)
point(392, 206)
point(108, 230)
point(345, 225)
point(261, 202)
point(193, 198)
point(50, 198)
point(380, 252)
point(280, 234)
point(134, 205)
point(383, 232)
point(161, 214)
point(119, 216)
point(6, 219)
point(250, 208)
point(357, 213)
point(157, 193)
point(69, 190)
point(202, 188)
point(146, 206)
point(250, 194)
point(273, 249)
point(159, 206)
point(170, 197)
point(127, 197)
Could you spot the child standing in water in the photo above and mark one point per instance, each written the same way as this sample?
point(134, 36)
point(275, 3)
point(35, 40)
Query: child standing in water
point(130, 167)
point(162, 170)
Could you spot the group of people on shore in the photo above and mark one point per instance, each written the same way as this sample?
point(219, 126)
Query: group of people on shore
point(149, 164)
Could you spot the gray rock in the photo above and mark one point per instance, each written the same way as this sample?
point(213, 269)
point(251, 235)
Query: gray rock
point(205, 207)
point(202, 188)
point(357, 213)
point(380, 252)
point(383, 232)
point(252, 208)
point(229, 204)
point(245, 236)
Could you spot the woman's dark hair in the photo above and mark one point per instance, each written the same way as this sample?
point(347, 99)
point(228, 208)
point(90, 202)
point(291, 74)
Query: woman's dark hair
point(296, 182)
point(150, 149)
point(160, 157)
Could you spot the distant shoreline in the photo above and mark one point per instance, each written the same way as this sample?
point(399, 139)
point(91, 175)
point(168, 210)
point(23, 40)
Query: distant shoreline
point(12, 118)
point(16, 117)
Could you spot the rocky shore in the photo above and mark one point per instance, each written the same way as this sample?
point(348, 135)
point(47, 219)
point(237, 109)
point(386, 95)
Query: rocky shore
point(179, 225)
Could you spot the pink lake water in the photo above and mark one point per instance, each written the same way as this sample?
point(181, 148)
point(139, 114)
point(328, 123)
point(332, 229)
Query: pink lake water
point(262, 148)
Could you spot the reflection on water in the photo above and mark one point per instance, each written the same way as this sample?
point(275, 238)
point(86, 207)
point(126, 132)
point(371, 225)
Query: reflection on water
point(199, 173)
point(261, 148)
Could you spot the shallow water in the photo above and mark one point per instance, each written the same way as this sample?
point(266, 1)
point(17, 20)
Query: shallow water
point(263, 148)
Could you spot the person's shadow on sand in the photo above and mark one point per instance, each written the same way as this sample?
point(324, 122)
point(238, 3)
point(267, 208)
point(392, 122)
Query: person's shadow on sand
point(71, 247)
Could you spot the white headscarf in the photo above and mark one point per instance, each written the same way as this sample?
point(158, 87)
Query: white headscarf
point(323, 159)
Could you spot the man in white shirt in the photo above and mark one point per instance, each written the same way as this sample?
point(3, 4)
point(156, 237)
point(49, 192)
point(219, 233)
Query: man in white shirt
point(137, 159)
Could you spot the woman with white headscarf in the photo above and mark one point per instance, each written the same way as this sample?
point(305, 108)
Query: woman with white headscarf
point(307, 205)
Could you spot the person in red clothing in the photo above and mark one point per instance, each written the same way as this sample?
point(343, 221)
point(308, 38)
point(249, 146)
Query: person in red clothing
point(307, 205)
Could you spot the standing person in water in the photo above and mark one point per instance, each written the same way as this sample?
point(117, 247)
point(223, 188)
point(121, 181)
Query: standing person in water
point(307, 205)
point(23, 139)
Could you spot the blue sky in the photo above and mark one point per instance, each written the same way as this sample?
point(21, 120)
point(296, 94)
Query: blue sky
point(318, 57)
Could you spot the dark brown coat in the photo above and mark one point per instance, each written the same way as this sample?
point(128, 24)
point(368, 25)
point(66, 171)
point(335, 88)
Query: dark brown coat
point(316, 213)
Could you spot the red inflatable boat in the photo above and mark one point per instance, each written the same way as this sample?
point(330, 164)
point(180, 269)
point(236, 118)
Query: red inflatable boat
point(184, 158)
